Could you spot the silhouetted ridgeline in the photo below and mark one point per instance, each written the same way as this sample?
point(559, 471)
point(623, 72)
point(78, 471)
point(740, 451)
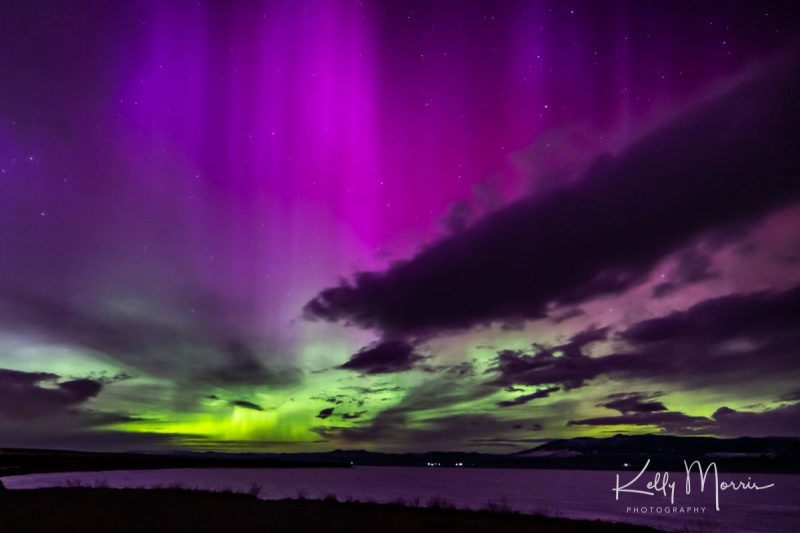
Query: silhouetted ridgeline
point(745, 454)
point(21, 461)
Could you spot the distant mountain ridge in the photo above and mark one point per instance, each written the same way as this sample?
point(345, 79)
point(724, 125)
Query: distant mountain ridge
point(620, 452)
point(670, 445)
point(743, 454)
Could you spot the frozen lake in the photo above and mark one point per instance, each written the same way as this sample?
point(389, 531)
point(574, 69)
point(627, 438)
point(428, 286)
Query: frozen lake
point(573, 494)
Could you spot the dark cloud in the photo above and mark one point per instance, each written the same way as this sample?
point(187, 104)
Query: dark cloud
point(564, 364)
point(639, 409)
point(378, 389)
point(353, 416)
point(718, 342)
point(247, 405)
point(531, 427)
point(63, 414)
point(458, 217)
point(395, 427)
point(384, 357)
point(726, 161)
point(91, 417)
point(779, 421)
point(566, 314)
point(34, 394)
point(692, 267)
point(525, 398)
point(670, 421)
point(106, 379)
point(464, 369)
point(79, 390)
point(334, 399)
point(665, 289)
point(633, 402)
point(506, 442)
point(756, 316)
point(325, 413)
point(574, 348)
point(793, 396)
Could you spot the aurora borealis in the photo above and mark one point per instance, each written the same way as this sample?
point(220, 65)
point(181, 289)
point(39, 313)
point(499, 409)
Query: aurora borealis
point(397, 225)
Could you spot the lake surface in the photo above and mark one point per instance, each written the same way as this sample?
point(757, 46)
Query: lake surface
point(566, 493)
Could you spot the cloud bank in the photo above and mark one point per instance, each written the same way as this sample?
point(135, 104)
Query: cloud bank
point(726, 161)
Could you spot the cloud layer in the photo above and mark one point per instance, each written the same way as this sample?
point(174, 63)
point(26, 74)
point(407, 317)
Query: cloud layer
point(717, 342)
point(36, 394)
point(723, 162)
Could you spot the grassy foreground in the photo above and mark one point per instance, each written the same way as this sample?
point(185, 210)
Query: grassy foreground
point(90, 510)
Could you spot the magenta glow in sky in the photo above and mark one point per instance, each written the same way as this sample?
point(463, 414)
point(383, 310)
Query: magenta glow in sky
point(179, 180)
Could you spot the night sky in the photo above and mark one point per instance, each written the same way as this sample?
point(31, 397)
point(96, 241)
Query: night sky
point(397, 225)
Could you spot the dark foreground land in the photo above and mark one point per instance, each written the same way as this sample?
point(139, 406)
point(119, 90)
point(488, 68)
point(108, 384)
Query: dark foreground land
point(89, 510)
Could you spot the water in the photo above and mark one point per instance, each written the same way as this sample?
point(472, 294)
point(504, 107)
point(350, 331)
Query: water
point(571, 494)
